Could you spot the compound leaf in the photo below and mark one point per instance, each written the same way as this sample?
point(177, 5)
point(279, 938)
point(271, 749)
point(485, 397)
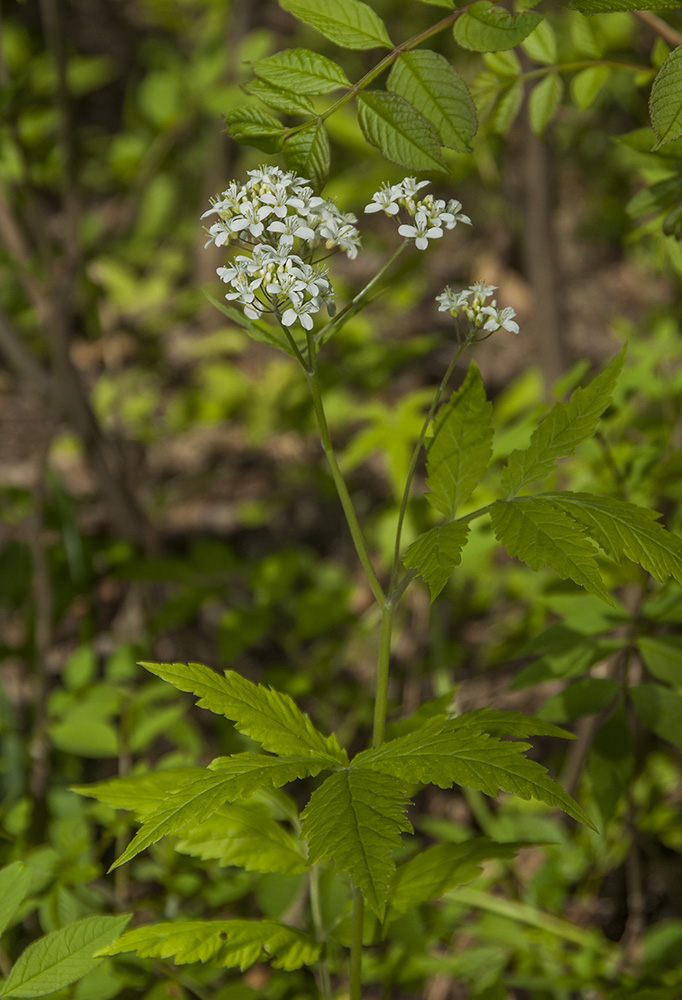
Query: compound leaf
point(402, 133)
point(445, 751)
point(665, 102)
point(487, 28)
point(228, 943)
point(436, 553)
point(349, 23)
point(356, 817)
point(256, 127)
point(279, 98)
point(624, 529)
point(535, 531)
point(61, 957)
point(270, 717)
point(302, 71)
point(307, 153)
point(428, 81)
point(563, 429)
point(461, 447)
point(14, 882)
point(142, 794)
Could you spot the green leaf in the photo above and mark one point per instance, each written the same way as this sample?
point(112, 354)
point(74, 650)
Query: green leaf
point(539, 534)
point(440, 868)
point(508, 108)
point(246, 836)
point(62, 957)
point(461, 447)
point(440, 3)
point(660, 709)
point(611, 762)
point(302, 71)
point(487, 28)
point(14, 882)
point(436, 553)
point(349, 23)
point(665, 102)
point(232, 944)
point(206, 791)
point(563, 429)
point(256, 127)
point(256, 329)
point(448, 751)
point(270, 717)
point(541, 45)
point(307, 153)
point(285, 101)
point(142, 794)
point(614, 6)
point(428, 81)
point(356, 817)
point(403, 135)
point(662, 656)
point(544, 100)
point(585, 86)
point(503, 723)
point(623, 529)
point(584, 697)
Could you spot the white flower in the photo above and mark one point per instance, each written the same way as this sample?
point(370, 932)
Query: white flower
point(500, 319)
point(291, 226)
point(449, 300)
point(454, 208)
point(421, 232)
point(301, 312)
point(471, 301)
point(250, 217)
point(336, 231)
point(385, 199)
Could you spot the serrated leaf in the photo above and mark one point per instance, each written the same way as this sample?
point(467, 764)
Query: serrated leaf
point(502, 723)
point(428, 81)
point(15, 880)
point(142, 794)
point(450, 751)
point(204, 793)
point(255, 127)
point(61, 957)
point(614, 6)
point(403, 135)
point(585, 86)
point(440, 868)
point(246, 836)
point(307, 153)
point(544, 100)
point(665, 102)
point(437, 553)
point(232, 944)
point(541, 45)
point(541, 535)
point(461, 447)
point(611, 762)
point(302, 71)
point(356, 817)
point(563, 429)
point(487, 28)
point(270, 717)
point(662, 656)
point(349, 23)
point(660, 709)
point(285, 101)
point(623, 529)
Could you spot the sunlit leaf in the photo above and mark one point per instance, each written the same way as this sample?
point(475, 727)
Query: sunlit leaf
point(488, 28)
point(428, 81)
point(403, 135)
point(436, 554)
point(302, 71)
point(15, 880)
point(349, 23)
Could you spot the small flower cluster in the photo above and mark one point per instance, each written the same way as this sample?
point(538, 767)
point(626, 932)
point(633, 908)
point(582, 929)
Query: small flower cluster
point(431, 215)
point(471, 302)
point(281, 224)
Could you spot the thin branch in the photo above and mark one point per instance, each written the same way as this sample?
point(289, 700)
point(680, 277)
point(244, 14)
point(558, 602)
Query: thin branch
point(661, 27)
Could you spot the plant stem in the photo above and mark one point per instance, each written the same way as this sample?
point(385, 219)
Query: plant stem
point(342, 490)
point(383, 664)
point(320, 934)
point(356, 946)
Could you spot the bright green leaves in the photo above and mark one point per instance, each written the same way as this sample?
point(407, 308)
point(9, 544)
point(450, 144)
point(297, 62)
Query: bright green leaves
point(436, 554)
point(62, 957)
point(428, 81)
point(665, 102)
point(586, 85)
point(257, 127)
point(233, 944)
point(349, 23)
point(544, 100)
point(14, 882)
point(461, 446)
point(302, 71)
point(269, 717)
point(563, 429)
point(488, 28)
point(403, 135)
point(356, 817)
point(540, 535)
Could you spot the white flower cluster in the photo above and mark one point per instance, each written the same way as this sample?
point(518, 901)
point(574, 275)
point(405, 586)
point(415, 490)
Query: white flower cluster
point(471, 301)
point(431, 215)
point(281, 224)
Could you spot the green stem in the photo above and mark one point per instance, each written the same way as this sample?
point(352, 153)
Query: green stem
point(356, 946)
point(383, 664)
point(320, 934)
point(342, 490)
